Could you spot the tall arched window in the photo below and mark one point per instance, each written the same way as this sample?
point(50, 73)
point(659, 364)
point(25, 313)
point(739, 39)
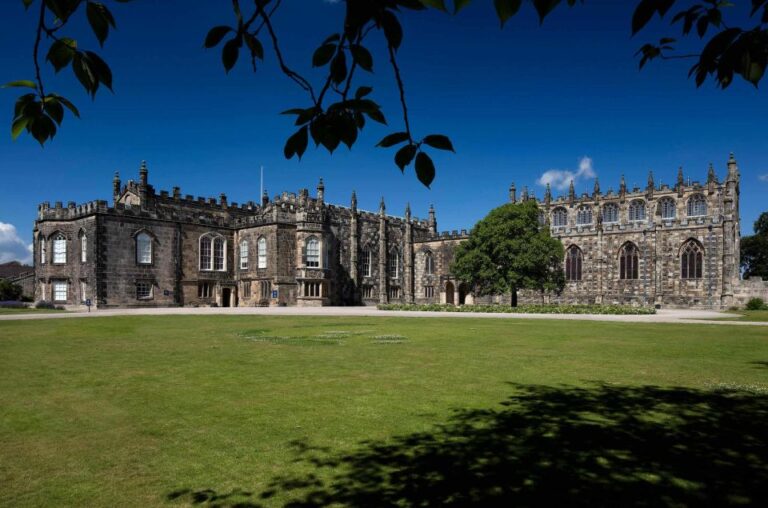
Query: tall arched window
point(697, 206)
point(218, 254)
point(628, 261)
point(691, 260)
point(60, 249)
point(205, 253)
point(365, 263)
point(83, 248)
point(393, 262)
point(560, 217)
point(313, 253)
point(667, 208)
point(573, 261)
point(637, 210)
point(610, 213)
point(143, 249)
point(429, 263)
point(244, 255)
point(43, 251)
point(261, 247)
point(584, 215)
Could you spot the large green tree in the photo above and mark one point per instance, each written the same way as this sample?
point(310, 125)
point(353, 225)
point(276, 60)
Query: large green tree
point(509, 250)
point(754, 250)
point(336, 109)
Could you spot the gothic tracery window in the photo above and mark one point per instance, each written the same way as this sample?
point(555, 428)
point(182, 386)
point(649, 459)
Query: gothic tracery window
point(205, 253)
point(610, 213)
point(60, 249)
point(429, 263)
point(143, 249)
point(261, 247)
point(560, 217)
point(218, 254)
point(213, 250)
point(628, 261)
point(667, 208)
point(697, 206)
point(691, 260)
point(393, 262)
point(365, 263)
point(313, 253)
point(636, 210)
point(244, 255)
point(83, 248)
point(584, 215)
point(573, 262)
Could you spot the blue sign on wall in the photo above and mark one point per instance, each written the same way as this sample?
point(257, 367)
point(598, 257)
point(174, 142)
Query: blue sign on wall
point(274, 293)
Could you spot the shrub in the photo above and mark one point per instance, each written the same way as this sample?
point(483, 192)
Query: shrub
point(756, 304)
point(42, 304)
point(9, 291)
point(521, 309)
point(13, 304)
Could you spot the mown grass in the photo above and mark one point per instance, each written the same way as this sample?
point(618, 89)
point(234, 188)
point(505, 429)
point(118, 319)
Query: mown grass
point(137, 411)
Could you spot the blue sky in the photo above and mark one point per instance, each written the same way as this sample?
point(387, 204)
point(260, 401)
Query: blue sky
point(517, 103)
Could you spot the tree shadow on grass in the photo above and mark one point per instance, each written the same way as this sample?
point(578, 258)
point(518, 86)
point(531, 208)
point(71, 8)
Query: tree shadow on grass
point(603, 445)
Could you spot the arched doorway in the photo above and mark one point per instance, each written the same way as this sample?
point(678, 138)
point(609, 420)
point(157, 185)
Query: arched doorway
point(463, 291)
point(449, 288)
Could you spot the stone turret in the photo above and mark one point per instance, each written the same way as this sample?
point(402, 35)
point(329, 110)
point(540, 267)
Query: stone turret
point(524, 195)
point(223, 200)
point(571, 193)
point(711, 179)
point(143, 183)
point(265, 198)
point(649, 188)
point(548, 195)
point(512, 193)
point(115, 188)
point(354, 245)
point(596, 190)
point(432, 223)
point(382, 252)
point(680, 187)
point(623, 187)
point(408, 256)
point(320, 192)
point(731, 236)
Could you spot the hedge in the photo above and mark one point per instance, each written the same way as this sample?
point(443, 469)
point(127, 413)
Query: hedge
point(520, 309)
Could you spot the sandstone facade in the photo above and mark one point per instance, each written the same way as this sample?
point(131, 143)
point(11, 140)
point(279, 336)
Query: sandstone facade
point(151, 248)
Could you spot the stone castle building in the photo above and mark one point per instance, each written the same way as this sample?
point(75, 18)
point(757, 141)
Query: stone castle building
point(660, 245)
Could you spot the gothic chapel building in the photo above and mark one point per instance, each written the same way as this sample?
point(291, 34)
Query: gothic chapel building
point(660, 245)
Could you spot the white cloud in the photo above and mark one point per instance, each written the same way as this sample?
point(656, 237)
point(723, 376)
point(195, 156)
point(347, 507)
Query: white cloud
point(12, 247)
point(560, 179)
point(763, 177)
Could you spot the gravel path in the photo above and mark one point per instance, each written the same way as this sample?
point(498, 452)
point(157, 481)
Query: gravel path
point(663, 316)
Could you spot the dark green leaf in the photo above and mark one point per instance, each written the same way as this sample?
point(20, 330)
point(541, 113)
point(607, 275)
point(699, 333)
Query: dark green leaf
point(98, 20)
point(392, 29)
point(67, 104)
point(61, 52)
point(425, 169)
point(348, 132)
point(24, 83)
point(42, 128)
point(100, 68)
point(339, 68)
point(436, 4)
point(19, 124)
point(215, 35)
point(393, 139)
point(230, 52)
point(254, 45)
point(323, 55)
point(544, 7)
point(332, 38)
point(363, 91)
point(404, 156)
point(439, 141)
point(84, 74)
point(54, 109)
point(459, 5)
point(362, 57)
point(505, 9)
point(296, 144)
point(377, 116)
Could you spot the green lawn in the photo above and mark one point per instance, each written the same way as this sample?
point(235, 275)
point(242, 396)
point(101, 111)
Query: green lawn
point(252, 411)
point(749, 315)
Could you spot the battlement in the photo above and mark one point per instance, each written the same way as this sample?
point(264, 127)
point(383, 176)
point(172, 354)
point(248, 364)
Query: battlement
point(72, 210)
